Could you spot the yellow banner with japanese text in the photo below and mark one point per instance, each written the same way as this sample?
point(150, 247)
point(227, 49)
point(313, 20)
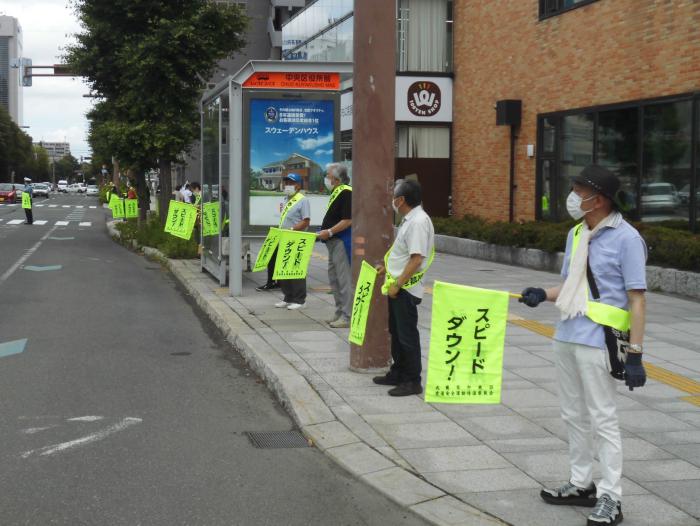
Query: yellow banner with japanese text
point(364, 291)
point(293, 254)
point(181, 219)
point(210, 219)
point(467, 337)
point(267, 249)
point(118, 211)
point(131, 208)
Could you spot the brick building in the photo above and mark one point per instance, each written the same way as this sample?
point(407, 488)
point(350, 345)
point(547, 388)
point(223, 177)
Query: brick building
point(610, 81)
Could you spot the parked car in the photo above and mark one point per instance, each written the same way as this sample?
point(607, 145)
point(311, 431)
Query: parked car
point(49, 186)
point(659, 197)
point(684, 194)
point(93, 190)
point(63, 186)
point(40, 189)
point(8, 193)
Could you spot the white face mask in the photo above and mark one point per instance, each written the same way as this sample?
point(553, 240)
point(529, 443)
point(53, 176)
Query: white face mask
point(290, 189)
point(573, 205)
point(393, 205)
point(329, 185)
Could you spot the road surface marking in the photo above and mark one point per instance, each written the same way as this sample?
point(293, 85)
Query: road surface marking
point(39, 206)
point(66, 206)
point(94, 437)
point(25, 257)
point(34, 430)
point(93, 207)
point(33, 268)
point(79, 206)
point(40, 222)
point(10, 348)
point(85, 419)
point(53, 206)
point(87, 223)
point(61, 238)
point(15, 222)
point(62, 223)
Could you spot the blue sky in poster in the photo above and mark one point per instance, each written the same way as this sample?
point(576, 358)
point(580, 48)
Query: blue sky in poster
point(280, 128)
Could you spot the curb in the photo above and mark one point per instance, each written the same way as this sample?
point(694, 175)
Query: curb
point(311, 414)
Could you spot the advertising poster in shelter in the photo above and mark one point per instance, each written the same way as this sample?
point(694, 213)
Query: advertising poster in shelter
point(289, 136)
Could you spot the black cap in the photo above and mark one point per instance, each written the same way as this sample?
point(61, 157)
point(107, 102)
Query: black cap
point(600, 179)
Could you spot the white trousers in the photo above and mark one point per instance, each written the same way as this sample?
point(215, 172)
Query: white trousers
point(589, 409)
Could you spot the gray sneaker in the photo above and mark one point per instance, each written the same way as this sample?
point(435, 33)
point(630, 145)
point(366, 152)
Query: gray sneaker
point(570, 495)
point(607, 511)
point(340, 323)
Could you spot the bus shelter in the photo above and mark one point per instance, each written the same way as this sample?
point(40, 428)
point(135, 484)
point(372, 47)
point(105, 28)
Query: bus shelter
point(270, 119)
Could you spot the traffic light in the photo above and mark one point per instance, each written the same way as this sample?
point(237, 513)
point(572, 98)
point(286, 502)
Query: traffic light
point(26, 72)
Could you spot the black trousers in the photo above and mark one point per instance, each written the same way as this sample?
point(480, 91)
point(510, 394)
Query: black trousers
point(28, 213)
point(405, 339)
point(271, 267)
point(294, 290)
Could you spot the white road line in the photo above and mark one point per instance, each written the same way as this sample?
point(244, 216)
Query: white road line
point(88, 418)
point(66, 206)
point(53, 206)
point(15, 222)
point(93, 207)
point(79, 206)
point(86, 223)
point(62, 223)
point(40, 222)
point(33, 430)
point(94, 437)
point(39, 206)
point(25, 257)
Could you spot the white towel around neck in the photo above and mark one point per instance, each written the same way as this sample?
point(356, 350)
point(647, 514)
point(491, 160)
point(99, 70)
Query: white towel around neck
point(573, 297)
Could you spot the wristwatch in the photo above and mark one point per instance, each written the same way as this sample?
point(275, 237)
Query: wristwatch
point(330, 232)
point(634, 348)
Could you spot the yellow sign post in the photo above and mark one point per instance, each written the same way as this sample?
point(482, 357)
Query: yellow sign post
point(361, 304)
point(267, 249)
point(467, 337)
point(294, 254)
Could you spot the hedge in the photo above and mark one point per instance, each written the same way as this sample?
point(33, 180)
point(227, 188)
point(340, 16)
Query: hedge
point(150, 234)
point(670, 243)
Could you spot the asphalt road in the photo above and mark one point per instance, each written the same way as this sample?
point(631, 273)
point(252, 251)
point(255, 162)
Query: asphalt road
point(127, 407)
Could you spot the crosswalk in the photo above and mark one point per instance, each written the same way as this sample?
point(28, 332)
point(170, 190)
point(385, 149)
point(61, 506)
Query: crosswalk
point(43, 222)
point(44, 205)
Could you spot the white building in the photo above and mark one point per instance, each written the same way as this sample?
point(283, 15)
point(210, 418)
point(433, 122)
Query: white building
point(55, 150)
point(10, 79)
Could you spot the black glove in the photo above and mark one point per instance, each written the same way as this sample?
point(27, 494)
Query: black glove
point(635, 375)
point(533, 296)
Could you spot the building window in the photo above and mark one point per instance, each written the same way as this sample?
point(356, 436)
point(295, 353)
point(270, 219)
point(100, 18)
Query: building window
point(554, 7)
point(652, 146)
point(424, 38)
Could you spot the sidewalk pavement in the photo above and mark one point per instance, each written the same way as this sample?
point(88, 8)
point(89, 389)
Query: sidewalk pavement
point(450, 463)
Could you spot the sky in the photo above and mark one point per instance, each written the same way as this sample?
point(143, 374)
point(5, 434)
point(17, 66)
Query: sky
point(54, 108)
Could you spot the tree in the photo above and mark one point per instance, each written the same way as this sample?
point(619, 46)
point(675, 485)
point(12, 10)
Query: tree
point(66, 167)
point(41, 166)
point(16, 153)
point(147, 60)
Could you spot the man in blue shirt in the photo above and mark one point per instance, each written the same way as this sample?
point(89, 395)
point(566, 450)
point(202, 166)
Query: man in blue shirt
point(604, 275)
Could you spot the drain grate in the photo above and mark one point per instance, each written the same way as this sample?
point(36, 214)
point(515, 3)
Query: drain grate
point(277, 439)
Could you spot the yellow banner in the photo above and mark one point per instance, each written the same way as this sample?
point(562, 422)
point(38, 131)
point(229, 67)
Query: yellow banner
point(267, 249)
point(210, 219)
point(26, 200)
point(294, 254)
point(467, 336)
point(181, 219)
point(364, 291)
point(113, 200)
point(132, 208)
point(118, 211)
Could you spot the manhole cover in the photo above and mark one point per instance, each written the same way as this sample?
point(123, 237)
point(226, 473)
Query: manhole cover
point(277, 439)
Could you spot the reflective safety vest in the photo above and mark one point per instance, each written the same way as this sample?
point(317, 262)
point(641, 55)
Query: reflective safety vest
point(336, 193)
point(598, 312)
point(413, 280)
point(197, 199)
point(290, 204)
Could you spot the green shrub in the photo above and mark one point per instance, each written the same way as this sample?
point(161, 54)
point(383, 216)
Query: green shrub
point(150, 234)
point(670, 243)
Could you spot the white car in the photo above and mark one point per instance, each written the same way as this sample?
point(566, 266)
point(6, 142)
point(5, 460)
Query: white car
point(93, 190)
point(74, 188)
point(63, 186)
point(40, 189)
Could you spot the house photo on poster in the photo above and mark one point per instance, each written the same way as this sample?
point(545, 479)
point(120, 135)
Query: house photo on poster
point(289, 136)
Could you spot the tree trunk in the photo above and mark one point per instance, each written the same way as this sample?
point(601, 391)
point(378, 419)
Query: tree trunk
point(142, 194)
point(166, 190)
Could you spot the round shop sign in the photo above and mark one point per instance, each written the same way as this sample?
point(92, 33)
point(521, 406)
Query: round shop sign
point(424, 98)
point(271, 115)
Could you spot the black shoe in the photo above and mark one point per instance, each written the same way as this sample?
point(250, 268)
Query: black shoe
point(387, 379)
point(570, 495)
point(406, 389)
point(607, 512)
point(267, 286)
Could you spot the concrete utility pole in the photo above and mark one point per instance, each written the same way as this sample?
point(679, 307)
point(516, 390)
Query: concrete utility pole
point(373, 162)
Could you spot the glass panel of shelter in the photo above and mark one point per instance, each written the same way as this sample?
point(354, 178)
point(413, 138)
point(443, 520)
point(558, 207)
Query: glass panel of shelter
point(210, 166)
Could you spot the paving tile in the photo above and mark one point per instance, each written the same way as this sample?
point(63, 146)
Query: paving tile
point(330, 434)
point(688, 452)
point(638, 449)
point(536, 374)
point(672, 437)
point(650, 510)
point(372, 405)
point(480, 480)
point(402, 487)
point(492, 427)
point(406, 418)
point(660, 470)
point(553, 465)
point(448, 511)
point(650, 422)
point(517, 445)
point(456, 411)
point(428, 460)
point(359, 458)
point(424, 435)
point(524, 508)
point(681, 493)
point(690, 417)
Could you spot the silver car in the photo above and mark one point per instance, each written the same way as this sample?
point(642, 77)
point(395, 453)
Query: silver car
point(659, 198)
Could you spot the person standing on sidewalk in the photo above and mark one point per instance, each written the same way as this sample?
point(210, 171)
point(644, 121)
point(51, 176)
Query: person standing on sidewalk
point(406, 263)
point(296, 215)
point(605, 260)
point(336, 232)
point(27, 204)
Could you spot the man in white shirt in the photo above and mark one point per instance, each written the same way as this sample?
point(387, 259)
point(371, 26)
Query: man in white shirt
point(406, 264)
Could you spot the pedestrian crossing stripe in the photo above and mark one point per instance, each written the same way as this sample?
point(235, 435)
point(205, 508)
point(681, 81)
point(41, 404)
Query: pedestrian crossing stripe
point(41, 222)
point(53, 206)
point(65, 206)
point(62, 223)
point(15, 222)
point(86, 223)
